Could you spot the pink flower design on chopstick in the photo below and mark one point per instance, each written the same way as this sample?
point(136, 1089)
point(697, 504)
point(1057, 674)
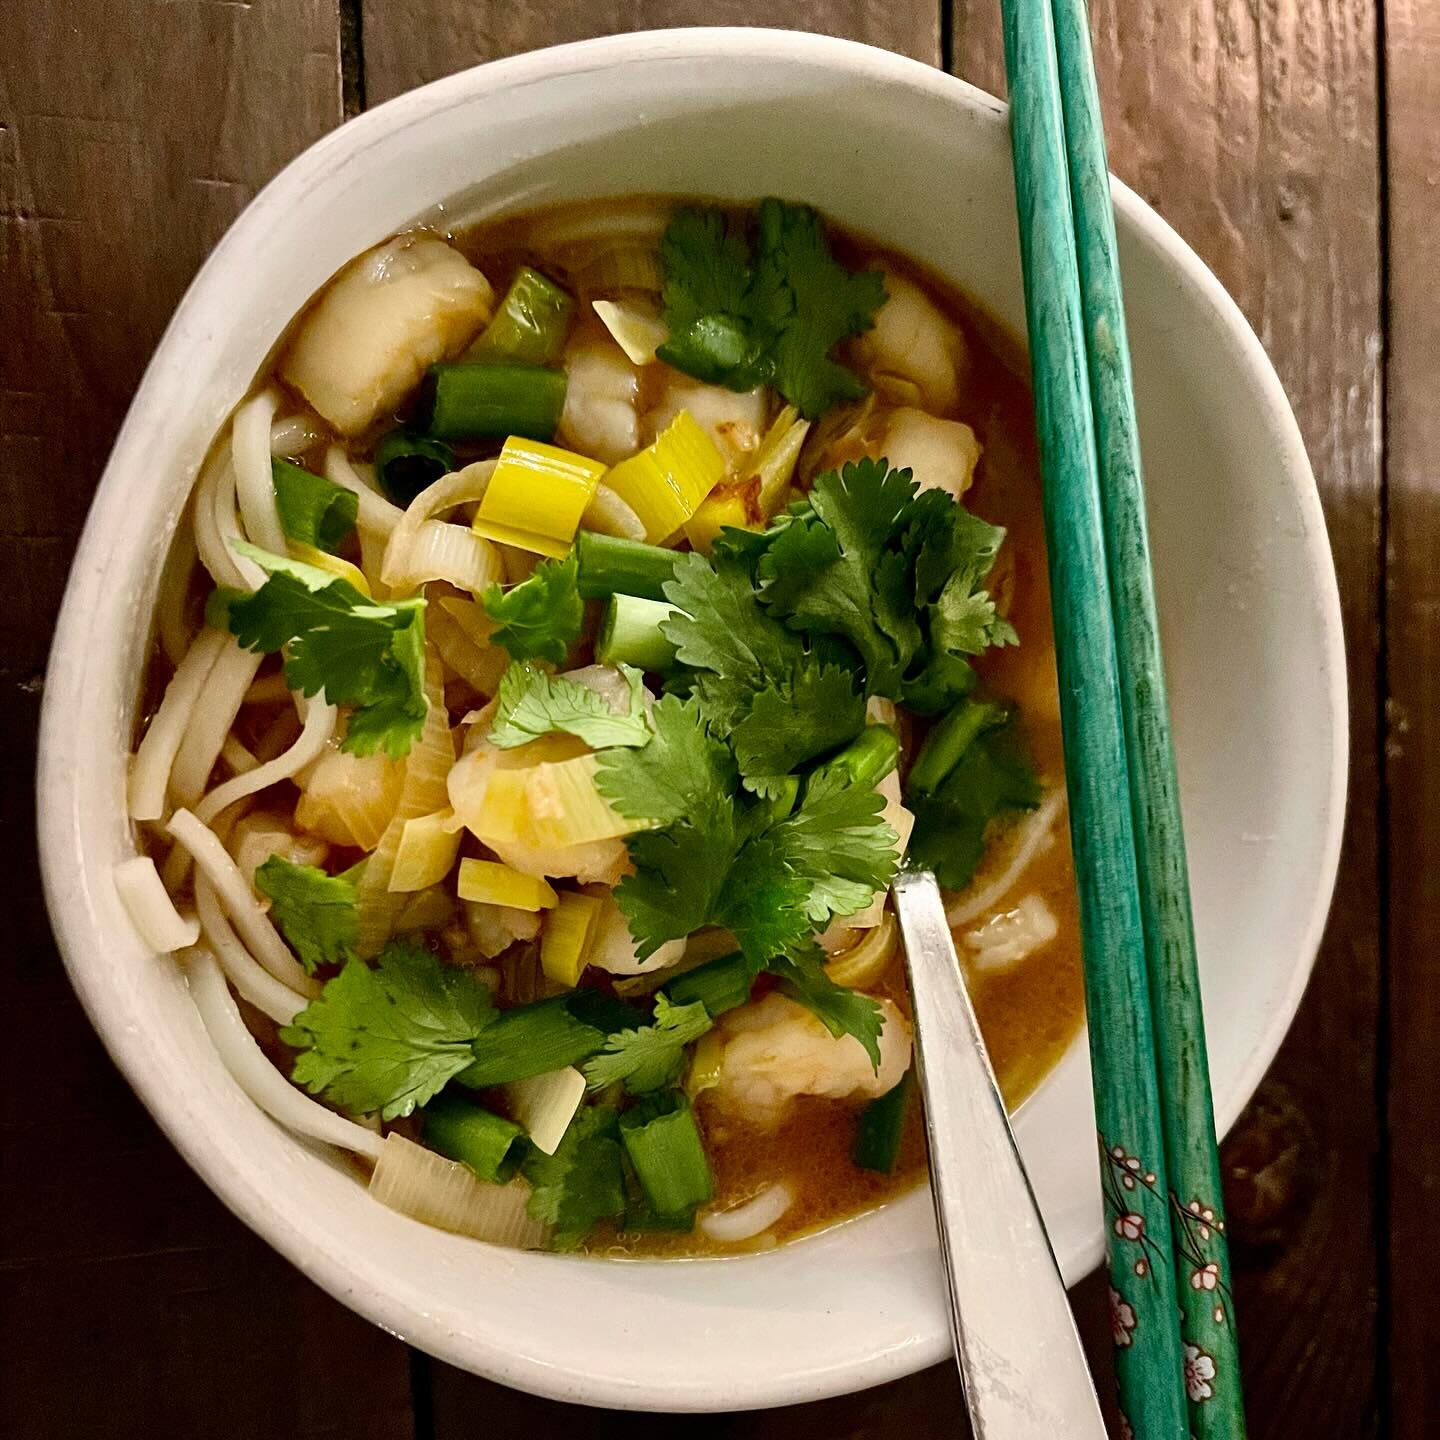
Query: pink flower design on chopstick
point(1199, 1372)
point(1207, 1277)
point(1129, 1225)
point(1122, 1318)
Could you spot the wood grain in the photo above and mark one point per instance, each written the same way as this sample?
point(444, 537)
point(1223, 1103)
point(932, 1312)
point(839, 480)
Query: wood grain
point(1253, 130)
point(131, 1304)
point(406, 42)
point(1412, 752)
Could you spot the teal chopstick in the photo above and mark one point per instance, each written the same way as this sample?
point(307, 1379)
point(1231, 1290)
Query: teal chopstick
point(1191, 1159)
point(1122, 1043)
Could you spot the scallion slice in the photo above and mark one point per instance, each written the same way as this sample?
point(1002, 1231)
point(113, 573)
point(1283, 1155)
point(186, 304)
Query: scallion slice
point(882, 1127)
point(531, 324)
point(719, 985)
point(407, 463)
point(663, 1142)
point(487, 1144)
point(611, 566)
point(546, 1035)
point(949, 738)
point(313, 511)
point(474, 400)
point(630, 634)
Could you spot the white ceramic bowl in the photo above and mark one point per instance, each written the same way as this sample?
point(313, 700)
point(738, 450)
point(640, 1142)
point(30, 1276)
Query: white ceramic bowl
point(1249, 604)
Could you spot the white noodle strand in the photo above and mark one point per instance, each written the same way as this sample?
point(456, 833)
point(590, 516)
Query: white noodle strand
point(254, 482)
point(240, 902)
point(1032, 839)
point(237, 757)
point(211, 720)
point(211, 544)
point(752, 1218)
point(155, 759)
point(294, 435)
point(252, 1070)
point(377, 514)
point(247, 974)
point(171, 609)
point(162, 927)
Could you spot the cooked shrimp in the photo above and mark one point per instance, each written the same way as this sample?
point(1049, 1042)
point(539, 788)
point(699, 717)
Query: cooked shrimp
point(388, 316)
point(262, 834)
point(599, 418)
point(349, 799)
point(914, 355)
point(942, 454)
point(775, 1049)
point(614, 950)
point(734, 421)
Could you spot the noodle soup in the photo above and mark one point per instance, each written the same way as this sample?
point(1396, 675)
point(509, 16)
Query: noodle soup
point(564, 640)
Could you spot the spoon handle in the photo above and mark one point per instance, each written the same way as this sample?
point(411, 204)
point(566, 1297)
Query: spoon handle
point(1021, 1365)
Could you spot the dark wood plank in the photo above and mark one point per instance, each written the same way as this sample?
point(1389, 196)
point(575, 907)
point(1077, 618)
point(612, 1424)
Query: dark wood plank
point(1253, 130)
point(407, 42)
point(1412, 754)
point(131, 1303)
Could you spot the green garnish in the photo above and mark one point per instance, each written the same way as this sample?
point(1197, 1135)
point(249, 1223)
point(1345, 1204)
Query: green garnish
point(662, 1141)
point(651, 1056)
point(881, 1128)
point(540, 618)
point(842, 1011)
point(313, 511)
point(546, 1035)
point(532, 702)
point(583, 1182)
point(384, 1040)
point(361, 652)
point(770, 320)
point(315, 911)
point(488, 1144)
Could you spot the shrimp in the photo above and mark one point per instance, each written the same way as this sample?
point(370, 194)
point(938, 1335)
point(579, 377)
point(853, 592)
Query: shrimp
point(613, 949)
point(914, 354)
point(262, 834)
point(734, 421)
point(348, 799)
point(384, 320)
point(942, 454)
point(775, 1050)
point(599, 418)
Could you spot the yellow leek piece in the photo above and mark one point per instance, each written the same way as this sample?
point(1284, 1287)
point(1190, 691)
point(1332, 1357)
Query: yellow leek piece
point(736, 506)
point(492, 883)
point(567, 809)
point(665, 483)
point(775, 460)
point(331, 564)
point(503, 816)
point(569, 933)
point(864, 965)
point(706, 1062)
point(536, 496)
point(427, 853)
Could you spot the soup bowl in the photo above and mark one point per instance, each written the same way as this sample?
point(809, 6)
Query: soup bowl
point(919, 161)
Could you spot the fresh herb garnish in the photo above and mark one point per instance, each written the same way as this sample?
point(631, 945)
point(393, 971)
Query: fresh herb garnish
point(315, 912)
point(540, 618)
point(650, 1056)
point(361, 652)
point(770, 320)
point(532, 702)
point(313, 511)
point(583, 1182)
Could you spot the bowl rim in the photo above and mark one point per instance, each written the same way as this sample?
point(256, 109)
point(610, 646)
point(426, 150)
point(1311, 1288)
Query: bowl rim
point(62, 835)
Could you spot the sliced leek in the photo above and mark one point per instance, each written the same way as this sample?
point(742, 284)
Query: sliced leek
point(568, 937)
point(537, 496)
point(567, 809)
point(636, 327)
point(665, 484)
point(546, 1104)
point(531, 324)
point(492, 883)
point(427, 853)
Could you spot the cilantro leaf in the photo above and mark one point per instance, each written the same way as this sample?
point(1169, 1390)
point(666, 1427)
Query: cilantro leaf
point(315, 911)
point(843, 1011)
point(540, 618)
point(795, 720)
point(313, 511)
point(649, 1057)
point(992, 778)
point(583, 1182)
point(389, 1038)
point(773, 322)
point(361, 652)
point(533, 702)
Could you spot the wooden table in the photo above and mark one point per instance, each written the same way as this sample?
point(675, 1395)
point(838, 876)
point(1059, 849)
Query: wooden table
point(1294, 143)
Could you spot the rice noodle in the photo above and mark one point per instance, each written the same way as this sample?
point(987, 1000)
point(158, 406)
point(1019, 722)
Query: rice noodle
point(254, 481)
point(252, 1070)
point(171, 609)
point(267, 994)
point(377, 514)
point(320, 720)
point(211, 719)
point(155, 758)
point(746, 1221)
point(294, 435)
point(1032, 838)
point(213, 545)
point(268, 689)
point(260, 935)
point(459, 487)
point(236, 756)
point(162, 927)
point(608, 514)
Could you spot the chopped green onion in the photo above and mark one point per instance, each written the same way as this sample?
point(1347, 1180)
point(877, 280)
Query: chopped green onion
point(407, 463)
point(486, 1143)
point(313, 510)
point(471, 401)
point(781, 800)
point(663, 1142)
point(641, 1217)
point(531, 324)
point(866, 760)
point(611, 566)
point(949, 738)
point(882, 1127)
point(546, 1035)
point(719, 985)
point(630, 634)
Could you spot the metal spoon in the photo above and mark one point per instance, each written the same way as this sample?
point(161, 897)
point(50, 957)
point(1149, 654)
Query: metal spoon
point(1021, 1365)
